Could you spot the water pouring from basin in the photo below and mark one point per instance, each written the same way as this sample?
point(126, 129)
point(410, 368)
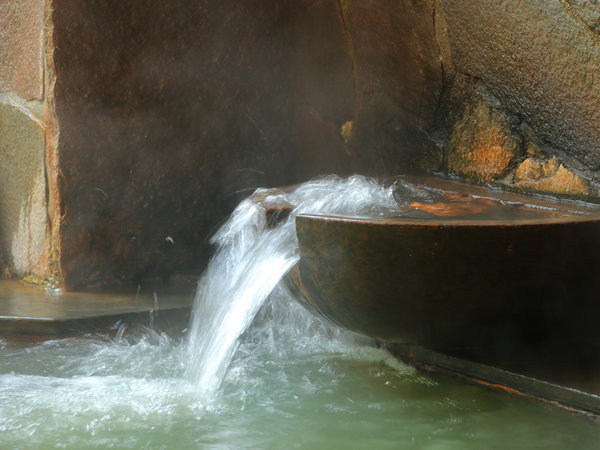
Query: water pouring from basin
point(251, 259)
point(392, 261)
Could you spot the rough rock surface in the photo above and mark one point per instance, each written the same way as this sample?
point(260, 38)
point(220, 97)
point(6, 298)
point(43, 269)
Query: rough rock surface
point(539, 62)
point(22, 47)
point(588, 11)
point(482, 146)
point(550, 177)
point(23, 219)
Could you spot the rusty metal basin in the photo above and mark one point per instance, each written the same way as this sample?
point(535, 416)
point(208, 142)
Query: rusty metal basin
point(472, 273)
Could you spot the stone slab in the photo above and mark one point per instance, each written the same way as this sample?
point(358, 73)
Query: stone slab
point(169, 114)
point(22, 47)
point(398, 80)
point(26, 309)
point(24, 224)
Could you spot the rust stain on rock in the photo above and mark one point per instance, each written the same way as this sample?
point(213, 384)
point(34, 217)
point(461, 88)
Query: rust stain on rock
point(347, 132)
point(482, 145)
point(550, 177)
point(54, 270)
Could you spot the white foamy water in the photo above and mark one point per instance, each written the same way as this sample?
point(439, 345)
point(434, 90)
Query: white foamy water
point(251, 259)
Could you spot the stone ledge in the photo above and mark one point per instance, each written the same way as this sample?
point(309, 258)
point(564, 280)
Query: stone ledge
point(29, 310)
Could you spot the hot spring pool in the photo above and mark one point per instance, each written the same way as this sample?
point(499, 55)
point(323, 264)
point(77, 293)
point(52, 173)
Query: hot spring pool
point(294, 382)
point(289, 381)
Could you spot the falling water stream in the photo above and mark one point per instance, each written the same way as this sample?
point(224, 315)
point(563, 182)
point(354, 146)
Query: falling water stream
point(255, 370)
point(252, 258)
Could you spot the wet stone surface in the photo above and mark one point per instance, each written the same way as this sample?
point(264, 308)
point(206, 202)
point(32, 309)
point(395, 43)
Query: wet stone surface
point(26, 309)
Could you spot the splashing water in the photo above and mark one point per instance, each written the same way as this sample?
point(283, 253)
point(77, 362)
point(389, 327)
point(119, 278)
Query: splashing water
point(251, 259)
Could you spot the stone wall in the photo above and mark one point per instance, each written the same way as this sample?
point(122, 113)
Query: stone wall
point(480, 90)
point(170, 113)
point(24, 222)
point(538, 65)
point(128, 131)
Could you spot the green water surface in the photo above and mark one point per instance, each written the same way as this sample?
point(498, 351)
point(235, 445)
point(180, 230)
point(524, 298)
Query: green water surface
point(293, 383)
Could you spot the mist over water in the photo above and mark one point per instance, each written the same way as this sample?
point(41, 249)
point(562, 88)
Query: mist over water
point(286, 378)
